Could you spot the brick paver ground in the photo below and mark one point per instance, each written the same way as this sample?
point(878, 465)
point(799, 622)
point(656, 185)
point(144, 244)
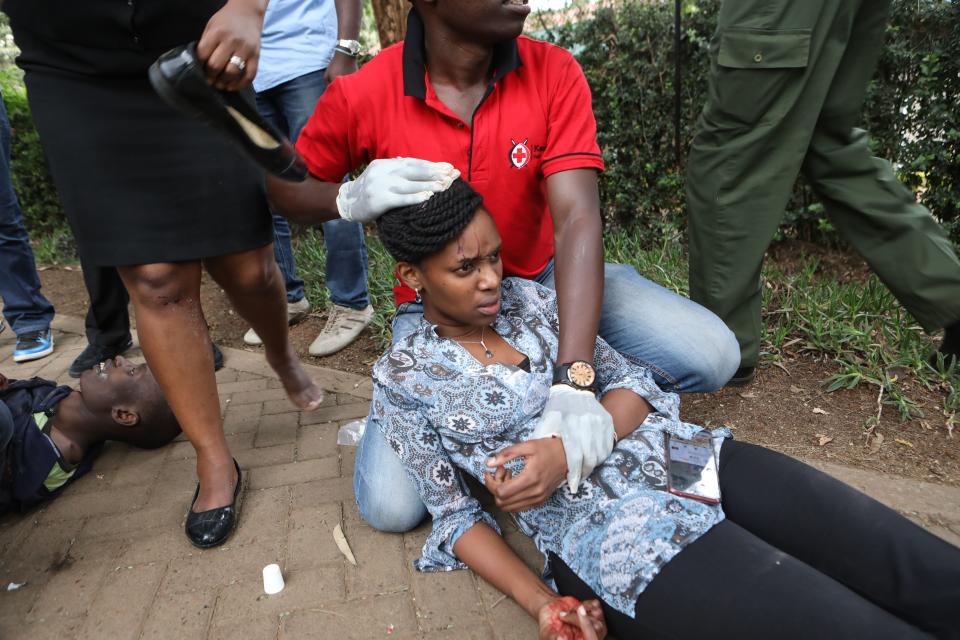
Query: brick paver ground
point(108, 559)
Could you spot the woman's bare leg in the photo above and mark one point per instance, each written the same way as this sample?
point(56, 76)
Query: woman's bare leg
point(173, 335)
point(254, 285)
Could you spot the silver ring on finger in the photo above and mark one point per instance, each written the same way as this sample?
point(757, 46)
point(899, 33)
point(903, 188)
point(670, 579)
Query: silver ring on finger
point(238, 62)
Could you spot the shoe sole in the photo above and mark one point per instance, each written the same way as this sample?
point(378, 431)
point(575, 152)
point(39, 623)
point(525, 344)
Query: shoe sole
point(36, 355)
point(291, 320)
point(330, 351)
point(741, 382)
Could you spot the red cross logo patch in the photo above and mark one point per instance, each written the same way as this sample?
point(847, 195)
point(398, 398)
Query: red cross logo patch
point(519, 154)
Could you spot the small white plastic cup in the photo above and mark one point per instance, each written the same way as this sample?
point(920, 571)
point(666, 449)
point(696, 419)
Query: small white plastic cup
point(272, 579)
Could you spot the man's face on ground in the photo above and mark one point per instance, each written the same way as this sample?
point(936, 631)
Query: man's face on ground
point(117, 382)
point(484, 21)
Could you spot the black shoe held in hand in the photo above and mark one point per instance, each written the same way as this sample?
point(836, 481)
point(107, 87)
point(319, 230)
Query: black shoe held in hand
point(177, 76)
point(210, 528)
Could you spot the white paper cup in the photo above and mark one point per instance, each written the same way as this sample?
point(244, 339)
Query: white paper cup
point(272, 579)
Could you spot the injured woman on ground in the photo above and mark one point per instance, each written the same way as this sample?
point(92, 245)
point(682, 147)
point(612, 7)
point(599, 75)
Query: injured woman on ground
point(787, 552)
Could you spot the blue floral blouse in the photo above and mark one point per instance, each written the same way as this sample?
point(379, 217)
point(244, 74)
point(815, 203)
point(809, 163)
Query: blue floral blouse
point(445, 413)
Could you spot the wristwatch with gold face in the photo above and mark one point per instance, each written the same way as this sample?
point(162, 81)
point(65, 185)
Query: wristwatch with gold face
point(579, 374)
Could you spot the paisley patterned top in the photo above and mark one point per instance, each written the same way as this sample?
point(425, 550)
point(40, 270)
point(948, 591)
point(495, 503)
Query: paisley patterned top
point(445, 413)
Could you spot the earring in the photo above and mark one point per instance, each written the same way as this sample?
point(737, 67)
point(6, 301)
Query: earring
point(418, 299)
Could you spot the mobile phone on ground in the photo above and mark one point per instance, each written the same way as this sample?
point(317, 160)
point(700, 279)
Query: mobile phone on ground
point(692, 468)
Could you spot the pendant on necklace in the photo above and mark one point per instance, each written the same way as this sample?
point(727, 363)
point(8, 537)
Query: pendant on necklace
point(489, 354)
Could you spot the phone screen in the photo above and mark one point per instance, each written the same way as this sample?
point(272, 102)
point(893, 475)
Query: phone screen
point(692, 468)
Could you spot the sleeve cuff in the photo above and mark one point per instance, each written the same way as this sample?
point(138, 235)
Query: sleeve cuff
point(437, 553)
point(569, 161)
point(642, 384)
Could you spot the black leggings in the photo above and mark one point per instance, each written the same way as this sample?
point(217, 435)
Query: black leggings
point(800, 555)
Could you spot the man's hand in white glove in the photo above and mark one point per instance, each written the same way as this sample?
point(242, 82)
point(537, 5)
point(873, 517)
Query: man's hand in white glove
point(585, 427)
point(391, 183)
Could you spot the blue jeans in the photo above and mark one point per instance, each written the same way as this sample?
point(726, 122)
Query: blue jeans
point(686, 347)
point(288, 106)
point(24, 307)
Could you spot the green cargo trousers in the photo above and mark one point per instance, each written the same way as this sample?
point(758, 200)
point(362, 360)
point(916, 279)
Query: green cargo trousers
point(787, 85)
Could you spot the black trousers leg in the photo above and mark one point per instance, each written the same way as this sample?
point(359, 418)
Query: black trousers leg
point(731, 584)
point(845, 534)
point(801, 555)
point(107, 322)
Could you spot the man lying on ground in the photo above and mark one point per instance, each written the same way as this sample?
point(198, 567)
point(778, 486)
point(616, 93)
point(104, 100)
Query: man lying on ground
point(50, 434)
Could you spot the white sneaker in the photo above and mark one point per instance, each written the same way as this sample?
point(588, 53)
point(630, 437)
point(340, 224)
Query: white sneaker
point(343, 326)
point(296, 311)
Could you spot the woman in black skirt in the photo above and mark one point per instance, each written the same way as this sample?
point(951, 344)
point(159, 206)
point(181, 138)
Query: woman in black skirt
point(159, 197)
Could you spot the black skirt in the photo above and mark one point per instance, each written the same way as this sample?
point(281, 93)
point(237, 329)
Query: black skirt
point(139, 182)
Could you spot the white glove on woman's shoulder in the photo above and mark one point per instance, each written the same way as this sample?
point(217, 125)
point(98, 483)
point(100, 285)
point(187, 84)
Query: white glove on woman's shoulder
point(390, 183)
point(585, 427)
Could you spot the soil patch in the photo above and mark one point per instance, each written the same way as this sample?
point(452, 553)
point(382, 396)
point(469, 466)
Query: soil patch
point(789, 411)
point(64, 287)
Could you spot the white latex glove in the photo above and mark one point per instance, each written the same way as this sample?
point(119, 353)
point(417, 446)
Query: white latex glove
point(585, 427)
point(391, 183)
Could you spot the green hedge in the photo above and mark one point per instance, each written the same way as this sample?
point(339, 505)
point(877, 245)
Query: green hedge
point(626, 50)
point(31, 179)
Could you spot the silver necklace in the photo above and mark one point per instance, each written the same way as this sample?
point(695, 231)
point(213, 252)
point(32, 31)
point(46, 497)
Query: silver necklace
point(486, 349)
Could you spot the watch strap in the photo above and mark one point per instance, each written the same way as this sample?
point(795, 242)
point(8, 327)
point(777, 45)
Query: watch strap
point(561, 375)
point(348, 47)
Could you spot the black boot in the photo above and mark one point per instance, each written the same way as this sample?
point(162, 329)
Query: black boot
point(95, 354)
point(742, 377)
point(949, 348)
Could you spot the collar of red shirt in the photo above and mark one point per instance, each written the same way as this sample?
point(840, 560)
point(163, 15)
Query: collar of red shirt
point(506, 58)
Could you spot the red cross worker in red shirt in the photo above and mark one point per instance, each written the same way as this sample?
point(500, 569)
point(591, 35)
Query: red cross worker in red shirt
point(465, 94)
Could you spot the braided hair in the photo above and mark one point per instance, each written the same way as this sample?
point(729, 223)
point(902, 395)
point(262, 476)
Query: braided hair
point(413, 233)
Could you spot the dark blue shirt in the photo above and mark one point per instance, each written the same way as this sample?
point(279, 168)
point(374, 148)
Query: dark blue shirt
point(33, 469)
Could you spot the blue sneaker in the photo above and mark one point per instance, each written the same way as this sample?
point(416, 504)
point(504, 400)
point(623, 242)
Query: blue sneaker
point(33, 345)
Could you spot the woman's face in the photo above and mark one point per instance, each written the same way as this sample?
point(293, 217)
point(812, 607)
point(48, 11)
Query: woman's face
point(460, 285)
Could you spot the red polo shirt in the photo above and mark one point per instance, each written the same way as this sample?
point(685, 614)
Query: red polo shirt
point(535, 120)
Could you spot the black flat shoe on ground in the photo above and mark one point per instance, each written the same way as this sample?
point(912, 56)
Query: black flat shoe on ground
point(742, 377)
point(177, 76)
point(211, 528)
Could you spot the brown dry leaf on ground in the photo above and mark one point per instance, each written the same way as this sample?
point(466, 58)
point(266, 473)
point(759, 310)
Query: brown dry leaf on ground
point(823, 439)
point(343, 545)
point(820, 411)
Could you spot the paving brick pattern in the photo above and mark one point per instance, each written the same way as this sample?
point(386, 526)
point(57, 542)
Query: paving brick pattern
point(108, 559)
